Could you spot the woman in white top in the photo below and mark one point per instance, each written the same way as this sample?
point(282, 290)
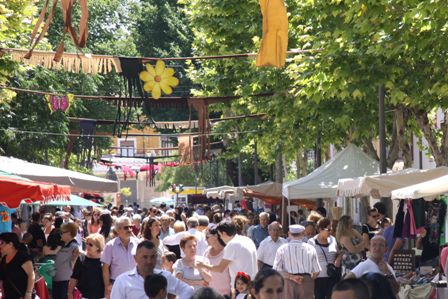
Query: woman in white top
point(326, 247)
point(220, 280)
point(184, 268)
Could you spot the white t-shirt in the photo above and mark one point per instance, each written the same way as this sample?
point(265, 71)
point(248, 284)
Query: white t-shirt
point(369, 266)
point(242, 254)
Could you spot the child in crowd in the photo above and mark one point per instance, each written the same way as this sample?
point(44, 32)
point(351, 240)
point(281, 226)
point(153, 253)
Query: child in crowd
point(156, 286)
point(168, 260)
point(241, 286)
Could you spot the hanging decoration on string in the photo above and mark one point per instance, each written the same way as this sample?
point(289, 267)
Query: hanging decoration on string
point(158, 79)
point(86, 142)
point(80, 40)
point(130, 70)
point(58, 102)
point(275, 34)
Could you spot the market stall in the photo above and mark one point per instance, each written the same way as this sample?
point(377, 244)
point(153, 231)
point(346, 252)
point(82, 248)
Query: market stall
point(323, 181)
point(14, 189)
point(423, 214)
point(79, 182)
point(381, 185)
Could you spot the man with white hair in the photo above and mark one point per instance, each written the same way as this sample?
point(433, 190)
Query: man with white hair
point(298, 262)
point(375, 263)
point(118, 254)
point(269, 246)
point(260, 231)
point(165, 229)
point(192, 224)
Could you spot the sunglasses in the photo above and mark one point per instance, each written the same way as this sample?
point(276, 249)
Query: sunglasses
point(127, 227)
point(90, 244)
point(375, 216)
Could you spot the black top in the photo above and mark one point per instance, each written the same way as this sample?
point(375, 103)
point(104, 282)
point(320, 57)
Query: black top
point(14, 277)
point(88, 273)
point(38, 234)
point(371, 231)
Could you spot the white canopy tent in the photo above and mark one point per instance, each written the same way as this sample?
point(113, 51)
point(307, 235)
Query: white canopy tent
point(219, 192)
point(428, 190)
point(382, 185)
point(323, 181)
point(79, 182)
point(159, 200)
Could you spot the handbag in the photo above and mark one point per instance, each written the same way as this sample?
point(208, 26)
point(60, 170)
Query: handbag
point(333, 272)
point(77, 294)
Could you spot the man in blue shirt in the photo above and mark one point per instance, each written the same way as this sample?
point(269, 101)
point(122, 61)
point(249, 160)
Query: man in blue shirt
point(260, 231)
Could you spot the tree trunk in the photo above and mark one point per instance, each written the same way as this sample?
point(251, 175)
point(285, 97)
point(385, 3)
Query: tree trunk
point(430, 135)
point(301, 163)
point(370, 149)
point(279, 167)
point(394, 147)
point(403, 138)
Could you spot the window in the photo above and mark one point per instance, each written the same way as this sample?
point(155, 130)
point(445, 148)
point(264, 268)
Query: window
point(127, 147)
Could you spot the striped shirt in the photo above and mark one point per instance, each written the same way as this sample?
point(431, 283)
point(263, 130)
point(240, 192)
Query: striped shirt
point(296, 257)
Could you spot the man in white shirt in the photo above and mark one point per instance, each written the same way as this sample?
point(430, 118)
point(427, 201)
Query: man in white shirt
point(268, 247)
point(376, 264)
point(298, 262)
point(240, 253)
point(130, 285)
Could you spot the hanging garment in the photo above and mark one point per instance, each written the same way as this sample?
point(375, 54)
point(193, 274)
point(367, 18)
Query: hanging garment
point(399, 218)
point(275, 34)
point(412, 227)
point(418, 206)
point(433, 224)
point(443, 221)
point(5, 220)
point(88, 129)
point(406, 223)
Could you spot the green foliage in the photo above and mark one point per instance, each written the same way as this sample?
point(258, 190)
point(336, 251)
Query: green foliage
point(205, 174)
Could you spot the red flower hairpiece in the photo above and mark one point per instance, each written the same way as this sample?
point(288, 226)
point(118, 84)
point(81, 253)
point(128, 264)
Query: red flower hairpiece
point(243, 275)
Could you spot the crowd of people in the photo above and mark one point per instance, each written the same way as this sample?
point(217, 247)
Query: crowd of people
point(207, 252)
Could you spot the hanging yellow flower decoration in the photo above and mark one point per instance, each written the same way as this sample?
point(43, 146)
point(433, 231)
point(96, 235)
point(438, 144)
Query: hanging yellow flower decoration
point(158, 79)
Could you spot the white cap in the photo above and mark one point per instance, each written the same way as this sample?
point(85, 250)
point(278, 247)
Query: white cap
point(296, 229)
point(105, 212)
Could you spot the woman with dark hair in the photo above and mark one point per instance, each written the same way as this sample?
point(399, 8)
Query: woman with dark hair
point(379, 286)
point(371, 227)
point(240, 253)
point(326, 248)
point(151, 232)
point(47, 222)
point(17, 271)
point(240, 222)
point(268, 284)
point(215, 252)
point(106, 226)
